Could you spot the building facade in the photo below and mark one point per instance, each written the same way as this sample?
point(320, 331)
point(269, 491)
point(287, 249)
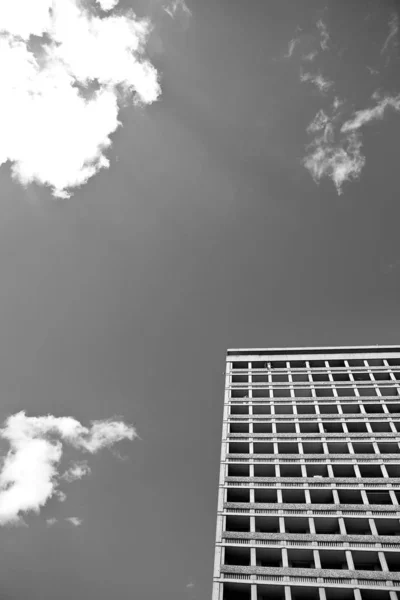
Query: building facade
point(309, 488)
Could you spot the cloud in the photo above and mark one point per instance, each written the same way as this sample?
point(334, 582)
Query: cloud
point(393, 31)
point(190, 585)
point(176, 7)
point(74, 521)
point(64, 73)
point(51, 521)
point(366, 115)
point(28, 476)
point(310, 56)
point(292, 45)
point(77, 471)
point(324, 34)
point(340, 160)
point(318, 80)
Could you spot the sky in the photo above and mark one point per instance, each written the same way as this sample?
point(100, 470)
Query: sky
point(177, 178)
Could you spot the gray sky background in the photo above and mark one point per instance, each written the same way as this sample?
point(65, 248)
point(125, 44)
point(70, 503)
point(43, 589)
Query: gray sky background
point(207, 232)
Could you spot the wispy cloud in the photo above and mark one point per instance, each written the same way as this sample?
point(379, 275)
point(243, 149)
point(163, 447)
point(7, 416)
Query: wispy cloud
point(177, 7)
point(77, 471)
point(61, 93)
point(75, 521)
point(324, 34)
point(340, 160)
point(393, 31)
point(28, 476)
point(292, 45)
point(322, 84)
point(310, 56)
point(51, 521)
point(361, 117)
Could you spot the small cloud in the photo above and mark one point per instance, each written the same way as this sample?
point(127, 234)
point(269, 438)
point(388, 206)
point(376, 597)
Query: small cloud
point(77, 471)
point(364, 116)
point(292, 45)
point(391, 40)
point(324, 34)
point(28, 474)
point(74, 521)
point(340, 161)
point(318, 80)
point(61, 497)
point(310, 56)
point(51, 521)
point(190, 585)
point(177, 7)
point(372, 71)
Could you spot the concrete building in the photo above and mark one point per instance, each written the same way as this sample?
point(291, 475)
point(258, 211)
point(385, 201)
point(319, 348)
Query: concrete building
point(309, 488)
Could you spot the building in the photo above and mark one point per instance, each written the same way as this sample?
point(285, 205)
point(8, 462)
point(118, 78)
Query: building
point(309, 488)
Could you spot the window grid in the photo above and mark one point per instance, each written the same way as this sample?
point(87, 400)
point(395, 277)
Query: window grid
point(310, 479)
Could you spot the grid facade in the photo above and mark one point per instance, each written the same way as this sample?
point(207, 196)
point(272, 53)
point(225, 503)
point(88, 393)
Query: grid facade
point(309, 487)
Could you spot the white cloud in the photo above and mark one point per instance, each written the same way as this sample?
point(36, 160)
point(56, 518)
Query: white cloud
point(61, 91)
point(318, 80)
point(51, 521)
point(190, 585)
point(77, 471)
point(340, 161)
point(75, 521)
point(393, 31)
point(177, 6)
point(324, 34)
point(362, 117)
point(28, 476)
point(310, 56)
point(292, 45)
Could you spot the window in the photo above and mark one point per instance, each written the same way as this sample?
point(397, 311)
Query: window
point(350, 497)
point(393, 560)
point(295, 496)
point(321, 496)
point(310, 427)
point(240, 378)
point(366, 560)
point(263, 448)
point(236, 591)
point(268, 557)
point(267, 524)
point(306, 409)
point(240, 393)
point(237, 495)
point(338, 448)
point(370, 471)
point(296, 525)
point(380, 497)
point(265, 496)
point(238, 448)
point(317, 471)
point(333, 559)
point(363, 448)
point(238, 470)
point(270, 592)
point(262, 427)
point(240, 365)
point(237, 523)
point(288, 448)
point(239, 410)
point(290, 470)
point(328, 409)
point(301, 559)
point(343, 471)
point(388, 447)
point(313, 448)
point(357, 526)
point(356, 426)
point(239, 428)
point(264, 471)
point(332, 426)
point(237, 556)
point(388, 526)
point(326, 525)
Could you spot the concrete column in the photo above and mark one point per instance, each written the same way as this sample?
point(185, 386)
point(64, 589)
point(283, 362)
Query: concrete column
point(364, 497)
point(393, 497)
point(311, 525)
point(253, 558)
point(383, 562)
point(253, 588)
point(357, 594)
point(288, 593)
point(317, 560)
point(384, 471)
point(281, 525)
point(393, 595)
point(342, 526)
point(307, 496)
point(335, 495)
point(285, 562)
point(349, 558)
point(322, 594)
point(372, 525)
